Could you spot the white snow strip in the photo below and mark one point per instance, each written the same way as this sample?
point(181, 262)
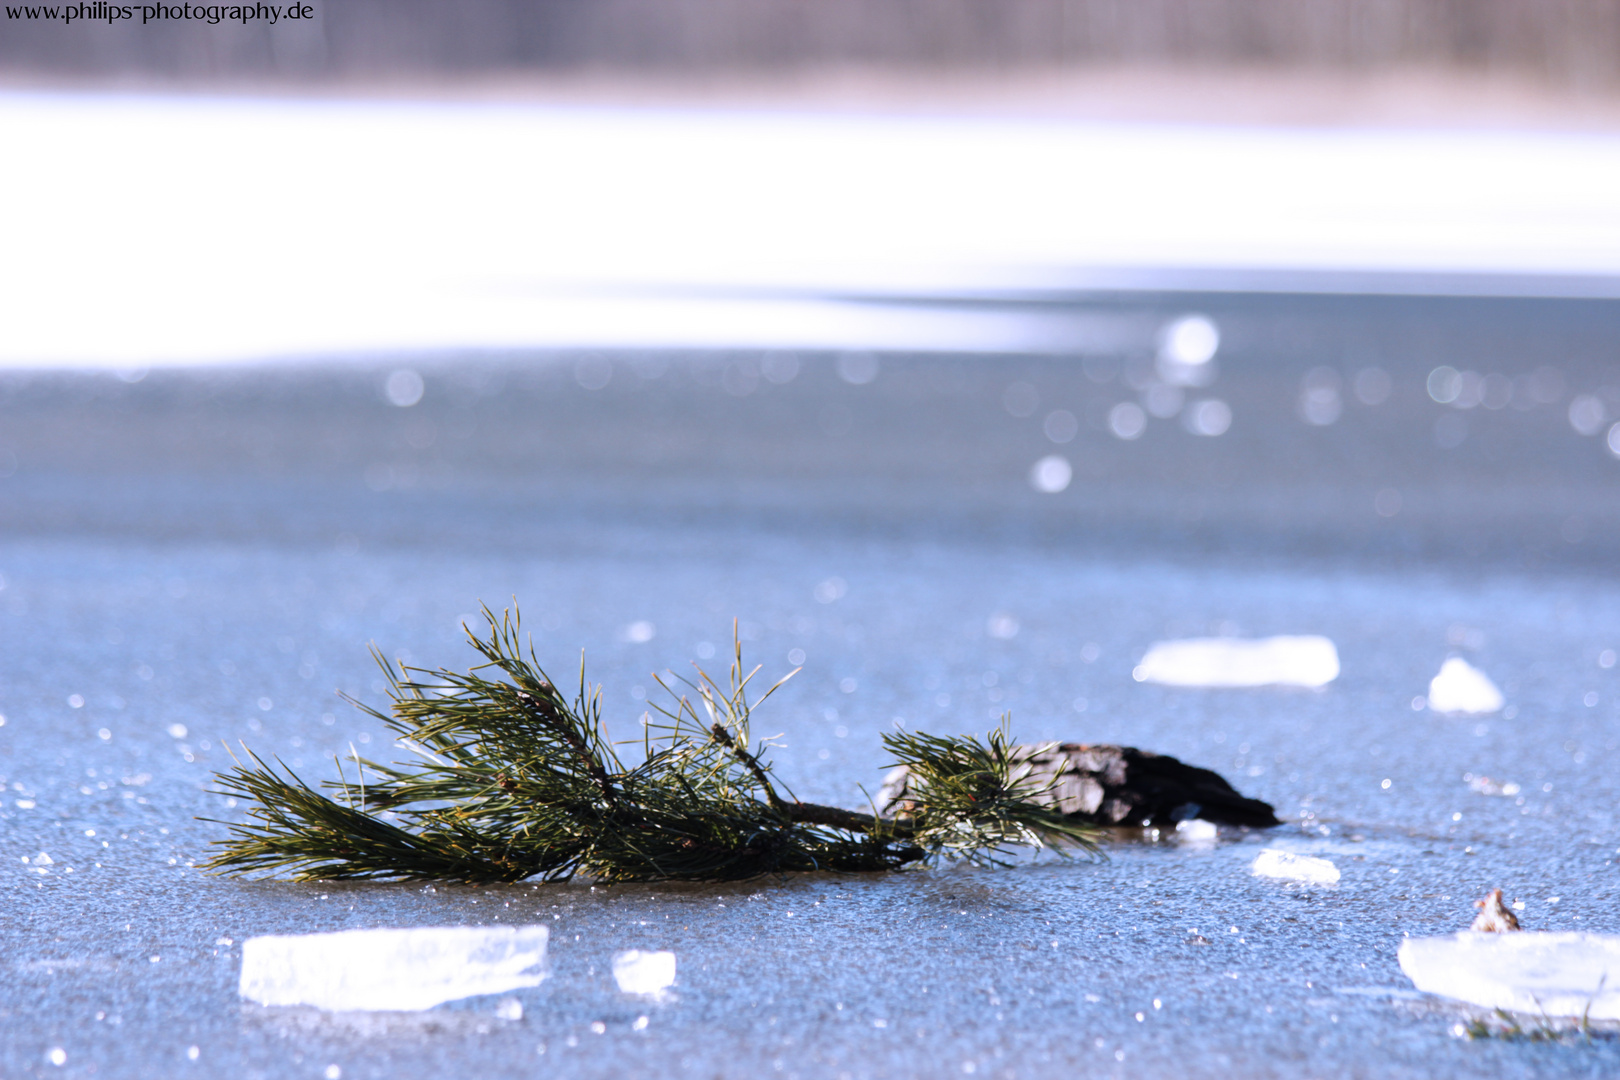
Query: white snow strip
point(371, 970)
point(1528, 972)
point(1286, 866)
point(1306, 660)
point(151, 229)
point(639, 972)
point(1462, 688)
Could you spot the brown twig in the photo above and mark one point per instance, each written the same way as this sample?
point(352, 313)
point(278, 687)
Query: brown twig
point(804, 813)
point(750, 762)
point(553, 718)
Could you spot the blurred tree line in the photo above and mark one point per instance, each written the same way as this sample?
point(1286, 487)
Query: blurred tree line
point(1570, 42)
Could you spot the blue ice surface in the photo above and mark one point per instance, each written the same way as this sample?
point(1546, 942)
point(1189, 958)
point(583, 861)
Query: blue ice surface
point(213, 551)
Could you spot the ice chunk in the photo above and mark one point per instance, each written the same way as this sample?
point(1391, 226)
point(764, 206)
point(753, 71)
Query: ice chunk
point(1290, 867)
point(639, 972)
point(368, 970)
point(1553, 974)
point(1197, 831)
point(1463, 688)
point(1304, 660)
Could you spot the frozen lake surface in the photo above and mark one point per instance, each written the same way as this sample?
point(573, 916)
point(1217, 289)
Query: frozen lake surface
point(196, 558)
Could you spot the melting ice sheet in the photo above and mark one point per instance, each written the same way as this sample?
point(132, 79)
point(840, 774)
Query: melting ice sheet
point(1304, 660)
point(1463, 688)
point(1551, 974)
point(369, 970)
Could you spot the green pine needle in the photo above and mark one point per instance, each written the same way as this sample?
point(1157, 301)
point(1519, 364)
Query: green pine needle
point(514, 780)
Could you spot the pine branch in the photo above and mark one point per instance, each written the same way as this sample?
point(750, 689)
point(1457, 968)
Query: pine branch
point(971, 800)
point(513, 780)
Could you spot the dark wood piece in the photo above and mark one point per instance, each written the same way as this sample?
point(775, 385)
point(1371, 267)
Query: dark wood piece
point(1118, 785)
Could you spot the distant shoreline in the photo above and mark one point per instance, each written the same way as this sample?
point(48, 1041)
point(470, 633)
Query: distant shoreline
point(1264, 96)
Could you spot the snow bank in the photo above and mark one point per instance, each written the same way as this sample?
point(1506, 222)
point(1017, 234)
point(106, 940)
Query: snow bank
point(1551, 974)
point(1463, 688)
point(1305, 660)
point(368, 970)
point(1287, 866)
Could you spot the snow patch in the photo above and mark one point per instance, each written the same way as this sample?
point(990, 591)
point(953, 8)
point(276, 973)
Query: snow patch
point(1303, 660)
point(371, 970)
point(1561, 974)
point(1286, 866)
point(1463, 688)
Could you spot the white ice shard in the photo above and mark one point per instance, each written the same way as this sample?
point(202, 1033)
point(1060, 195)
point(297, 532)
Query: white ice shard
point(370, 970)
point(1286, 866)
point(1302, 660)
point(1539, 973)
point(639, 972)
point(1463, 688)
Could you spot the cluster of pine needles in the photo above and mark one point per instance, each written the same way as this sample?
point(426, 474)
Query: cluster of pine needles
point(510, 778)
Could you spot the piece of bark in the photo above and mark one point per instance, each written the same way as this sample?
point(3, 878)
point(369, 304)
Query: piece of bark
point(1115, 785)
